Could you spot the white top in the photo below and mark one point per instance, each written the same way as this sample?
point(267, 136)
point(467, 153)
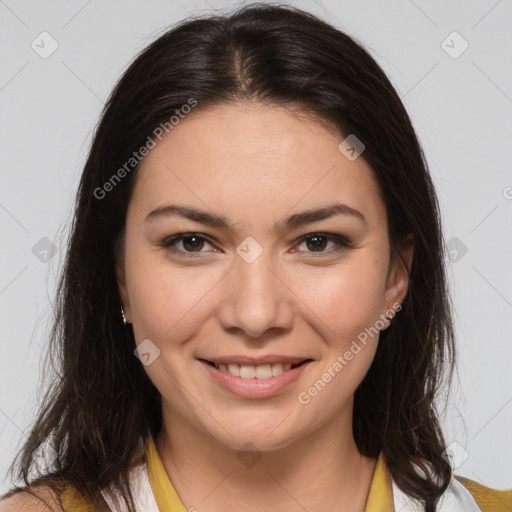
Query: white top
point(456, 498)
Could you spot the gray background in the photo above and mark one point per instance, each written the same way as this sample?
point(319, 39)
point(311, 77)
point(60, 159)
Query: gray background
point(461, 108)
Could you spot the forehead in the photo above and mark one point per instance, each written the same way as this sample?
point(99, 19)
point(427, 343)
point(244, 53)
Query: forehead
point(252, 156)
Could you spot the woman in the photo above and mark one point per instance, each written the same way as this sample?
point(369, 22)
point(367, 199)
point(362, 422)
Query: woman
point(253, 312)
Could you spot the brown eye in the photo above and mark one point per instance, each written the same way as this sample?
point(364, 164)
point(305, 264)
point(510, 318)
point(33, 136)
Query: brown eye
point(192, 244)
point(318, 242)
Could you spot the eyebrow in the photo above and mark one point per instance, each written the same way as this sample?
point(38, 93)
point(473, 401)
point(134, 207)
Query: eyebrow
point(293, 221)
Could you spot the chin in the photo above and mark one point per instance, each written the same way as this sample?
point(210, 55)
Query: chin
point(267, 431)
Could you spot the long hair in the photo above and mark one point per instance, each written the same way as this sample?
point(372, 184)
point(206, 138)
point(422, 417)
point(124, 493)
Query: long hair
point(103, 402)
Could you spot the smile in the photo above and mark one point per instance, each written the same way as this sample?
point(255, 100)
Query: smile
point(255, 378)
point(265, 371)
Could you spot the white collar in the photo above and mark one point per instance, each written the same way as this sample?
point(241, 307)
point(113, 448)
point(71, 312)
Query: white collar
point(456, 498)
point(141, 490)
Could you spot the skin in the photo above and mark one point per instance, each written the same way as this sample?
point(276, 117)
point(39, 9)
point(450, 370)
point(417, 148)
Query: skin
point(256, 165)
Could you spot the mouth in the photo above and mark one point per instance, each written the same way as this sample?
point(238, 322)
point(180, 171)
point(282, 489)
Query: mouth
point(263, 371)
point(255, 378)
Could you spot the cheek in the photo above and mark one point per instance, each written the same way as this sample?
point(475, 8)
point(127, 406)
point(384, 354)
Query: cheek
point(347, 298)
point(348, 301)
point(164, 299)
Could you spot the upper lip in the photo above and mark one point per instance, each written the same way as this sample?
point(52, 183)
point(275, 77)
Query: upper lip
point(255, 361)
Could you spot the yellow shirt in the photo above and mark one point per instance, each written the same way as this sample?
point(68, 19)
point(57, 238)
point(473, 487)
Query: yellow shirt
point(380, 497)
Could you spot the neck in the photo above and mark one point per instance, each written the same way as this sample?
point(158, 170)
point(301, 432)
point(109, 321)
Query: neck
point(323, 471)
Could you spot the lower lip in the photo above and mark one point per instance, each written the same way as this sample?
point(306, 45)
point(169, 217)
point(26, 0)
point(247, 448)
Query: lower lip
point(255, 388)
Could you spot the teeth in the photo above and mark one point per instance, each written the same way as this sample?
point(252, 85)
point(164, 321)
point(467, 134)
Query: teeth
point(264, 372)
point(277, 369)
point(247, 372)
point(244, 371)
point(234, 369)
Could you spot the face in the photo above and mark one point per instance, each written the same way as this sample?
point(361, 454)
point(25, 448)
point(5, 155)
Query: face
point(257, 274)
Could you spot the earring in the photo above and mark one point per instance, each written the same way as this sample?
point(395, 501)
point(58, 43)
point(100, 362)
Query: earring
point(390, 315)
point(122, 314)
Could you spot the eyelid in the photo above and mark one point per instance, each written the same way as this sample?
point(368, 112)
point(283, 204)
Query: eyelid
point(167, 243)
point(342, 243)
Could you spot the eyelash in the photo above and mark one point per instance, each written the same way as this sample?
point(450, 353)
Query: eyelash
point(340, 242)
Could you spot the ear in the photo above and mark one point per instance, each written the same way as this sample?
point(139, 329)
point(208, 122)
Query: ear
point(398, 274)
point(121, 278)
point(123, 292)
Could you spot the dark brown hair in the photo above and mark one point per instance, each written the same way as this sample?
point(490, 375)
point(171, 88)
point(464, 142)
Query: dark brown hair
point(102, 401)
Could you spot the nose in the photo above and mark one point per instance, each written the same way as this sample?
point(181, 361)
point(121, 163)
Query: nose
point(256, 299)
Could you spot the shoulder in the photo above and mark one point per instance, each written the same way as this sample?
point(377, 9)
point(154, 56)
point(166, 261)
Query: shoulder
point(487, 499)
point(45, 500)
